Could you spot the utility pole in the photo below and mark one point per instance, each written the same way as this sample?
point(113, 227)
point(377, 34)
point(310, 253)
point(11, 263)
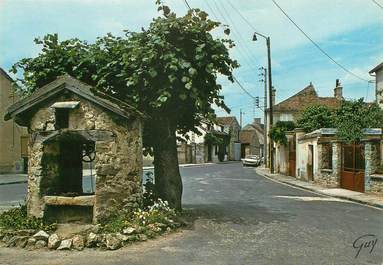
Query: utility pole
point(265, 155)
point(270, 97)
point(270, 104)
point(240, 117)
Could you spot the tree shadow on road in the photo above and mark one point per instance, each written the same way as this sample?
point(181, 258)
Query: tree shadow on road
point(234, 212)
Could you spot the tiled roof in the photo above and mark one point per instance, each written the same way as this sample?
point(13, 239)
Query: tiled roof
point(226, 120)
point(306, 97)
point(66, 82)
point(246, 137)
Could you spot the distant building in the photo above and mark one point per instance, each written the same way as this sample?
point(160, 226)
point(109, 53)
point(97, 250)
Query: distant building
point(378, 71)
point(197, 149)
point(231, 126)
point(13, 138)
point(252, 138)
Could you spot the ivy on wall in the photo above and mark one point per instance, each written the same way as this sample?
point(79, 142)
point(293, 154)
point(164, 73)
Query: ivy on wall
point(278, 132)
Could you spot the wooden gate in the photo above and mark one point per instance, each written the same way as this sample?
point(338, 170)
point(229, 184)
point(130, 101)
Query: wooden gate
point(353, 167)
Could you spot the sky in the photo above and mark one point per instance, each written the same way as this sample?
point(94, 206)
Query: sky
point(350, 31)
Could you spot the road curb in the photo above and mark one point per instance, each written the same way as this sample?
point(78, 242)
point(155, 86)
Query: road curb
point(199, 165)
point(376, 205)
point(14, 182)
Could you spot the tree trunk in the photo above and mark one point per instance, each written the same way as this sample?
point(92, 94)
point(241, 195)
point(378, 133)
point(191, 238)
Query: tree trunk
point(168, 182)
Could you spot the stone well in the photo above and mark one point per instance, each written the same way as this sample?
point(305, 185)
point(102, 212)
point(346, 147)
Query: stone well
point(73, 132)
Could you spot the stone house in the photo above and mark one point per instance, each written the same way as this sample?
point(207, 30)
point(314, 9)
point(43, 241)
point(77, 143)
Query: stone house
point(70, 125)
point(290, 110)
point(195, 150)
point(378, 72)
point(13, 138)
point(232, 127)
point(252, 139)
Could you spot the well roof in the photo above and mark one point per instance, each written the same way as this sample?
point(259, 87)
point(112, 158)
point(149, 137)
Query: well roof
point(66, 82)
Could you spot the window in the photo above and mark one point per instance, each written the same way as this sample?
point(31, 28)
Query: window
point(62, 118)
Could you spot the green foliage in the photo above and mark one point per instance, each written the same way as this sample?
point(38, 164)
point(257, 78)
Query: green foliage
point(211, 138)
point(353, 116)
point(278, 131)
point(17, 219)
point(171, 65)
point(316, 117)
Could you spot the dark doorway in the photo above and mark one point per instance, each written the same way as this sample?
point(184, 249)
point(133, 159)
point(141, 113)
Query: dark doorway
point(292, 157)
point(310, 163)
point(209, 151)
point(353, 167)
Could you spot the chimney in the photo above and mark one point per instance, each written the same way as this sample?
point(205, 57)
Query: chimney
point(257, 120)
point(338, 90)
point(273, 96)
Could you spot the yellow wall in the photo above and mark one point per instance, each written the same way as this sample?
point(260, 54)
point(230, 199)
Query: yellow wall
point(10, 132)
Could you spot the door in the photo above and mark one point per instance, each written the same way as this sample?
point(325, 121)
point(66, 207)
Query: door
point(310, 163)
point(353, 167)
point(209, 151)
point(292, 157)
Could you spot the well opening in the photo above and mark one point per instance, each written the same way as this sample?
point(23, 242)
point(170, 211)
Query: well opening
point(63, 160)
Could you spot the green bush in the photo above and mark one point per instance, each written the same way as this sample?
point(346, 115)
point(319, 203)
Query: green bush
point(316, 117)
point(278, 131)
point(17, 219)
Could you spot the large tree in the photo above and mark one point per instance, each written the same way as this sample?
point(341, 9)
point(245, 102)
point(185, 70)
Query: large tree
point(168, 71)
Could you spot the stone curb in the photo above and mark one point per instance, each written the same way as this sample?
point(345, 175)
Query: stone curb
point(199, 165)
point(144, 168)
point(377, 205)
point(13, 182)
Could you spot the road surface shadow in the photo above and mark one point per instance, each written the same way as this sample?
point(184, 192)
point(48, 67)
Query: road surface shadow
point(235, 212)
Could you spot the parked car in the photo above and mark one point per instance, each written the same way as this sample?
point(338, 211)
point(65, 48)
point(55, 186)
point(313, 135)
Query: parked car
point(251, 160)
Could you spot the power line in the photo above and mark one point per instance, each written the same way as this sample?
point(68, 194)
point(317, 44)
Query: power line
point(379, 5)
point(316, 45)
point(241, 86)
point(240, 14)
point(236, 32)
point(234, 78)
point(304, 33)
point(186, 2)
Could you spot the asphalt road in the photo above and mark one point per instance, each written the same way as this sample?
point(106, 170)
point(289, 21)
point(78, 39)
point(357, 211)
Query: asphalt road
point(244, 219)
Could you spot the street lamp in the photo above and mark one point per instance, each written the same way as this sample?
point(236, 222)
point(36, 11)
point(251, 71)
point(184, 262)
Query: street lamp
point(270, 96)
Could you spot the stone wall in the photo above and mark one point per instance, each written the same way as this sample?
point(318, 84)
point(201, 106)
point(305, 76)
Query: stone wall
point(326, 178)
point(372, 162)
point(118, 160)
point(376, 184)
point(336, 161)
